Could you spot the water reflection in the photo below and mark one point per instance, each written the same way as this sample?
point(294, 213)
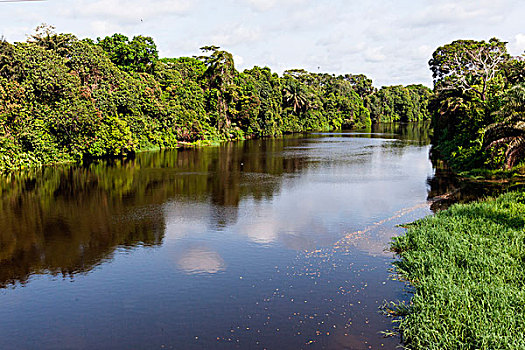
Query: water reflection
point(65, 220)
point(258, 242)
point(60, 221)
point(199, 260)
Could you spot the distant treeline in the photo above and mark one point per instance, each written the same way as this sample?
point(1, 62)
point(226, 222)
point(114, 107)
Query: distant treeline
point(478, 105)
point(63, 99)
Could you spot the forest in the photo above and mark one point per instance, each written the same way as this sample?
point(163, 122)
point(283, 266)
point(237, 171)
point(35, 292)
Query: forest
point(478, 105)
point(64, 99)
point(465, 264)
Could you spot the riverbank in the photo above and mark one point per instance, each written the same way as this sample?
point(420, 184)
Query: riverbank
point(81, 99)
point(467, 267)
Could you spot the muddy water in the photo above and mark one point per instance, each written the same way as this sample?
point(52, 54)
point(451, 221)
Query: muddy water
point(276, 244)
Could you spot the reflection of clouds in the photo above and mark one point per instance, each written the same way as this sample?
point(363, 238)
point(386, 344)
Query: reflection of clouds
point(348, 183)
point(200, 260)
point(337, 199)
point(184, 219)
point(262, 232)
point(260, 224)
point(289, 219)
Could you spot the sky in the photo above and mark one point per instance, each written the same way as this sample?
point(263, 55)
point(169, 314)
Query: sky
point(390, 41)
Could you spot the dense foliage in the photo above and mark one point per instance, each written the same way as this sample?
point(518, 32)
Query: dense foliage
point(478, 108)
point(400, 104)
point(467, 267)
point(63, 99)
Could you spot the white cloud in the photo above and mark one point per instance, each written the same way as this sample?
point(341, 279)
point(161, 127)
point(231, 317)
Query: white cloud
point(239, 61)
point(517, 47)
point(374, 54)
point(262, 5)
point(390, 41)
point(128, 10)
point(446, 13)
point(102, 28)
point(266, 5)
point(200, 260)
point(236, 35)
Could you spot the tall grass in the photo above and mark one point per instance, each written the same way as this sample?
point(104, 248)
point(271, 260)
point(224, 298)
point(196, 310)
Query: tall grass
point(467, 267)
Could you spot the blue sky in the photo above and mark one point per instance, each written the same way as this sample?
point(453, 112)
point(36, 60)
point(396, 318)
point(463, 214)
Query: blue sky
point(390, 41)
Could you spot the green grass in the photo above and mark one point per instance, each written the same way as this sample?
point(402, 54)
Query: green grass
point(467, 268)
point(516, 173)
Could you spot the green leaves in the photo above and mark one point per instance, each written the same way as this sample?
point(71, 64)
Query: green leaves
point(138, 55)
point(399, 104)
point(508, 134)
point(65, 99)
point(470, 78)
point(469, 66)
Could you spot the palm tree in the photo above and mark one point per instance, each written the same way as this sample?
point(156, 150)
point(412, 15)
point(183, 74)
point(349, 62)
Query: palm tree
point(509, 133)
point(295, 95)
point(220, 74)
point(46, 37)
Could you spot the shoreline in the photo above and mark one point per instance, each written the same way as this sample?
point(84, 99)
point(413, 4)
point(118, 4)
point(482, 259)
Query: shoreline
point(464, 266)
point(180, 146)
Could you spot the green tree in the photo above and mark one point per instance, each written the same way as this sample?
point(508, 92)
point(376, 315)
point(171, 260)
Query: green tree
point(219, 74)
point(295, 95)
point(509, 135)
point(399, 104)
point(6, 57)
point(361, 84)
point(138, 55)
point(469, 66)
point(469, 81)
point(63, 99)
point(46, 37)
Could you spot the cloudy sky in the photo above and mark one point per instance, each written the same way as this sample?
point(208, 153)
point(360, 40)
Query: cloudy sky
point(388, 40)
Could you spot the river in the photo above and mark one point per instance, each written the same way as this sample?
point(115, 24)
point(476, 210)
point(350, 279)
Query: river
point(263, 244)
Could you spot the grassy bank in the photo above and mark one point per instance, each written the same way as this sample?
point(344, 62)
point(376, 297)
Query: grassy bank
point(467, 267)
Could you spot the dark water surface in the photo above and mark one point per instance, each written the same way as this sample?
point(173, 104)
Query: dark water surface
point(276, 244)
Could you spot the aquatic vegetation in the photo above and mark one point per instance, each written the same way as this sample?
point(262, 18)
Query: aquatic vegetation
point(467, 267)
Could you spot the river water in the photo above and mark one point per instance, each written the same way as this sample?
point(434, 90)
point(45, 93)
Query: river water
point(274, 243)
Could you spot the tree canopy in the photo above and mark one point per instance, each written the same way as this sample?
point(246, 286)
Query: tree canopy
point(136, 55)
point(66, 99)
point(477, 107)
point(469, 66)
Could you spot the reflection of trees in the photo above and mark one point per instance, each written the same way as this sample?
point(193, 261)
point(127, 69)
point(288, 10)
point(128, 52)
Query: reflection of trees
point(417, 132)
point(400, 134)
point(446, 188)
point(66, 220)
point(232, 161)
point(257, 164)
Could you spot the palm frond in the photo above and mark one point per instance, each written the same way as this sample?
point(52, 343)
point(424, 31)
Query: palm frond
point(515, 153)
point(498, 143)
point(510, 132)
